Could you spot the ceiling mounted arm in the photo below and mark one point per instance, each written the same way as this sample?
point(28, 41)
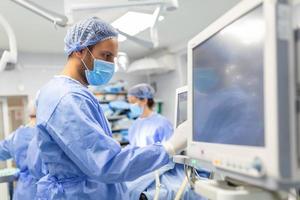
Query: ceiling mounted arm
point(153, 27)
point(56, 18)
point(8, 56)
point(139, 41)
point(169, 5)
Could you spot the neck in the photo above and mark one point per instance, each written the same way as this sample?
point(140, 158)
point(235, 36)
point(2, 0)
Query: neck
point(147, 112)
point(74, 70)
point(31, 123)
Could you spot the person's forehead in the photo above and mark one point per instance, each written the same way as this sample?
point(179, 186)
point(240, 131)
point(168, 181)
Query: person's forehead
point(132, 98)
point(110, 44)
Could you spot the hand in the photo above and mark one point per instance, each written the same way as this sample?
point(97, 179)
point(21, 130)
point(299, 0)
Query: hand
point(178, 140)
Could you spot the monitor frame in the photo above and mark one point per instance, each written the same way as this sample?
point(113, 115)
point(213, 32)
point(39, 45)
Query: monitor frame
point(279, 156)
point(179, 91)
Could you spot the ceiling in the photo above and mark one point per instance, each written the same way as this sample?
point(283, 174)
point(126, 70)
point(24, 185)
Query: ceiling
point(35, 34)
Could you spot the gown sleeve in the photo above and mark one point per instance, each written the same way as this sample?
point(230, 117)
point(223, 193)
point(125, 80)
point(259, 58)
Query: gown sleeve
point(76, 127)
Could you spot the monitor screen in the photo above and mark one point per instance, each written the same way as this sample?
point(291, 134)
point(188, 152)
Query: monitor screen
point(181, 108)
point(228, 96)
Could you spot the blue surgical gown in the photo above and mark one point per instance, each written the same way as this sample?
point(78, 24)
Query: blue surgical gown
point(80, 157)
point(33, 159)
point(153, 129)
point(15, 147)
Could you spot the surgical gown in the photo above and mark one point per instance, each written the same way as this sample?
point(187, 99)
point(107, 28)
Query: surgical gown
point(80, 157)
point(15, 147)
point(33, 159)
point(149, 130)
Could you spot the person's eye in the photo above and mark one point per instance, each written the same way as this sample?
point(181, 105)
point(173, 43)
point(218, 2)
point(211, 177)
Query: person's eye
point(108, 57)
point(103, 55)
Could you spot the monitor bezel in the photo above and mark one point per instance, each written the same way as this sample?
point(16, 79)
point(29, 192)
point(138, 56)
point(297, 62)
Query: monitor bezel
point(271, 154)
point(179, 91)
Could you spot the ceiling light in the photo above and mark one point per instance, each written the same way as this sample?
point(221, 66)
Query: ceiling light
point(133, 23)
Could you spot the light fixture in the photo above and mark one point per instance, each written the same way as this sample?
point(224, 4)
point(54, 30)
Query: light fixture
point(161, 5)
point(168, 5)
point(133, 23)
point(8, 56)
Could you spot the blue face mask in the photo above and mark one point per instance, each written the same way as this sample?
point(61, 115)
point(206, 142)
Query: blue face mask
point(102, 72)
point(136, 110)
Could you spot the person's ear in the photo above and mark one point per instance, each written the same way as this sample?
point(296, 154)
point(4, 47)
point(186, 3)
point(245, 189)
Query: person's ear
point(80, 54)
point(131, 99)
point(144, 102)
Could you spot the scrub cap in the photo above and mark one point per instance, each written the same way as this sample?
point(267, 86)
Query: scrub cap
point(86, 33)
point(143, 91)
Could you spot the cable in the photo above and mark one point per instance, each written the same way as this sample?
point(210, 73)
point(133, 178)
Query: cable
point(157, 185)
point(182, 188)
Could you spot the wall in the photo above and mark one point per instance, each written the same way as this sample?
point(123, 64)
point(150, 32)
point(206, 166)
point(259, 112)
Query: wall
point(34, 70)
point(169, 82)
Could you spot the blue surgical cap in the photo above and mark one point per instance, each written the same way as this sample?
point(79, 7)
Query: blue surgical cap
point(143, 91)
point(86, 33)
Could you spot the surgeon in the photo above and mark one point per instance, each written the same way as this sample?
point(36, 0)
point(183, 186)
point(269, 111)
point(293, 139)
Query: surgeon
point(81, 159)
point(15, 147)
point(150, 127)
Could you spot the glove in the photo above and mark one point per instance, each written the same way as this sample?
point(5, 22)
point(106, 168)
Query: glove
point(178, 140)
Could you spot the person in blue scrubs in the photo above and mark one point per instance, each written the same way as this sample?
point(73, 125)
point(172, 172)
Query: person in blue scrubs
point(150, 127)
point(80, 158)
point(15, 147)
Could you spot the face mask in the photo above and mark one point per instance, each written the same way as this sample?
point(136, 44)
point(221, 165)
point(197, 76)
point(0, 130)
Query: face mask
point(102, 72)
point(136, 110)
